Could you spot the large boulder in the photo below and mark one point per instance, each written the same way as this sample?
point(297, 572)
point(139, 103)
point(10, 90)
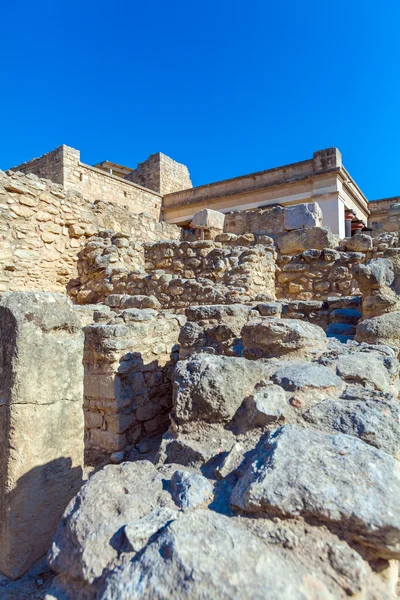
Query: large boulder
point(208, 219)
point(365, 369)
point(211, 388)
point(383, 329)
point(335, 479)
point(90, 536)
point(271, 337)
point(314, 238)
point(307, 383)
point(376, 282)
point(190, 489)
point(207, 555)
point(376, 422)
point(374, 275)
point(360, 242)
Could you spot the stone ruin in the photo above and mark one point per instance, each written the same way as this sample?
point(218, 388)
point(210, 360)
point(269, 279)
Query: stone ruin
point(195, 413)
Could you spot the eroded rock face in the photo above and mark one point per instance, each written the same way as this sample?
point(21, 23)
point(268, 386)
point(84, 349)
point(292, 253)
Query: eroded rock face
point(303, 216)
point(299, 240)
point(326, 485)
point(211, 388)
point(290, 338)
point(276, 479)
point(375, 421)
point(383, 329)
point(376, 281)
point(90, 536)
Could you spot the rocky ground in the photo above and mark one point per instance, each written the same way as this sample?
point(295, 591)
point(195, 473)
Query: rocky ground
point(278, 478)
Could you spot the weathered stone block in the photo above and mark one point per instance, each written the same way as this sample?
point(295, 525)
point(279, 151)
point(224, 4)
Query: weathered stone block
point(208, 219)
point(302, 216)
point(41, 422)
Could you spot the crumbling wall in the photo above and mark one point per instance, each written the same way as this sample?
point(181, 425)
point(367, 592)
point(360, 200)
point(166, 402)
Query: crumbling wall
point(128, 362)
point(43, 226)
point(217, 329)
point(314, 265)
point(178, 273)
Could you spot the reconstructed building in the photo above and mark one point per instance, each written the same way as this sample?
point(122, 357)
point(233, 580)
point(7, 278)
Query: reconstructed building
point(162, 187)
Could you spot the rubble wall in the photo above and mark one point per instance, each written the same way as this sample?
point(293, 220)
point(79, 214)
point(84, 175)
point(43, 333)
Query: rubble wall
point(178, 274)
point(128, 363)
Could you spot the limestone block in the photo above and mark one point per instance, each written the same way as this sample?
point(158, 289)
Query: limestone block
point(272, 337)
point(41, 422)
point(208, 219)
point(314, 238)
point(360, 242)
point(303, 216)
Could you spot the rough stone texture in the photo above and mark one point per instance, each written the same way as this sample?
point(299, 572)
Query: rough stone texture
point(211, 388)
point(201, 555)
point(161, 174)
point(376, 422)
point(208, 219)
point(384, 329)
point(190, 489)
point(364, 369)
point(307, 383)
point(317, 274)
point(267, 405)
point(315, 238)
point(178, 274)
point(303, 216)
point(41, 422)
point(376, 281)
point(128, 365)
point(274, 219)
point(360, 242)
point(90, 535)
point(326, 485)
point(271, 337)
point(63, 166)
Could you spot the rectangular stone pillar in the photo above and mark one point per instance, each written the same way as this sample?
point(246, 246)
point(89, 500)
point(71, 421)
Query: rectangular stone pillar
point(41, 422)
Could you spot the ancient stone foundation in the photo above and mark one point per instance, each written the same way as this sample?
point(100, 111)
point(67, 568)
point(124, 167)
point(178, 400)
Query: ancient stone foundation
point(244, 385)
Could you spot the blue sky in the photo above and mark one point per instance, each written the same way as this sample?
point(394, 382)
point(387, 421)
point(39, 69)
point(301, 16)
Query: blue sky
point(226, 86)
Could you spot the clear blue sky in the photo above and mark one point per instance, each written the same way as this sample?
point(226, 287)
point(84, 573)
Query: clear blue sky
point(226, 86)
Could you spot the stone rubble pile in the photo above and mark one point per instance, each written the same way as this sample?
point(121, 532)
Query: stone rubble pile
point(278, 478)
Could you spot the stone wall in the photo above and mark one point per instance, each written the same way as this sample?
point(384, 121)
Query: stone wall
point(218, 329)
point(385, 215)
point(63, 166)
point(323, 272)
point(128, 361)
point(307, 264)
point(48, 166)
point(161, 174)
point(43, 226)
point(177, 274)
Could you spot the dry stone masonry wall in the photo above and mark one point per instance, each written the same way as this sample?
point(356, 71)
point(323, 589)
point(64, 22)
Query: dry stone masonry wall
point(43, 226)
point(177, 274)
point(128, 360)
